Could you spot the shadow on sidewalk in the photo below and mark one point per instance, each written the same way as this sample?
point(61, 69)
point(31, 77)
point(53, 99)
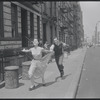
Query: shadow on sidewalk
point(64, 77)
point(41, 85)
point(3, 85)
point(21, 84)
point(50, 83)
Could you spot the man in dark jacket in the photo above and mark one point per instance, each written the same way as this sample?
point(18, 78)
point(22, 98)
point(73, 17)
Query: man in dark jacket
point(57, 47)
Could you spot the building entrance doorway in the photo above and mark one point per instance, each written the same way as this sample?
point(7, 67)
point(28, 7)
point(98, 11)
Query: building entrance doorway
point(24, 28)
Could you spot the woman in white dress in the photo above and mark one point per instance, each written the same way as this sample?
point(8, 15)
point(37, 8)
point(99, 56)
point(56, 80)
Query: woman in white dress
point(37, 58)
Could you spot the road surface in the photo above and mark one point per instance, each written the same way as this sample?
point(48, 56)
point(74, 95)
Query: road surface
point(89, 86)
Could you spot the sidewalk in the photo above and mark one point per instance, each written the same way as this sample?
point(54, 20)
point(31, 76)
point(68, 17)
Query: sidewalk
point(55, 87)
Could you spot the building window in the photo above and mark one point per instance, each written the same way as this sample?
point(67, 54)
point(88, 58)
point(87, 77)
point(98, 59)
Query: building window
point(51, 38)
point(1, 20)
point(55, 8)
point(61, 35)
point(67, 40)
point(64, 38)
point(14, 20)
point(24, 24)
point(51, 8)
point(55, 32)
point(38, 27)
point(31, 25)
point(45, 7)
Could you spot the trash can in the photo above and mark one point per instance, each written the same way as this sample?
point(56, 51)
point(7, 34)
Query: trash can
point(11, 77)
point(25, 68)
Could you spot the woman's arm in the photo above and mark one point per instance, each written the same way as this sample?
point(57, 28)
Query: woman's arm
point(24, 50)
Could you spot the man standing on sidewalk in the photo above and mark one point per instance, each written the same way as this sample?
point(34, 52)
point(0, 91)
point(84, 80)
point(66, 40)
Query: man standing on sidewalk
point(57, 47)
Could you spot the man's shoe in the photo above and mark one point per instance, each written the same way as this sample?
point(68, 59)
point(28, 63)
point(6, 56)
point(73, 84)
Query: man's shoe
point(62, 74)
point(32, 88)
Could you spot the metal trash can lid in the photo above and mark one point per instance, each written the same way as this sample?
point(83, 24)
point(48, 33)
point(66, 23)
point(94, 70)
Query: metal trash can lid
point(11, 67)
point(26, 63)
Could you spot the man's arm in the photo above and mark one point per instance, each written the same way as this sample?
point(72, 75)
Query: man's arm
point(64, 44)
point(52, 47)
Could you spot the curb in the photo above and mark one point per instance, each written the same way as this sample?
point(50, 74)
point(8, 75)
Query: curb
point(80, 74)
point(72, 91)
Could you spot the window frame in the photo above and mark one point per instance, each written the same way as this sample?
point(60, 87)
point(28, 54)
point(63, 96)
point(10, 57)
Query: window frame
point(16, 20)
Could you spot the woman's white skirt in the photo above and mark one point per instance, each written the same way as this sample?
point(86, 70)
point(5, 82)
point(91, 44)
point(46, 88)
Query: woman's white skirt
point(38, 67)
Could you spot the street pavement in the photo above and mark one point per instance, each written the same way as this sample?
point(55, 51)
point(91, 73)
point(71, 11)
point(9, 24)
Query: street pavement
point(89, 86)
point(55, 86)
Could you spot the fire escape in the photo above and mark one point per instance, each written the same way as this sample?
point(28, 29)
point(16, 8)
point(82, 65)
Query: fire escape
point(67, 23)
point(77, 24)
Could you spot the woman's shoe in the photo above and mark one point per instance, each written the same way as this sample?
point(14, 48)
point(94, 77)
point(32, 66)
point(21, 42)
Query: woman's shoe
point(31, 88)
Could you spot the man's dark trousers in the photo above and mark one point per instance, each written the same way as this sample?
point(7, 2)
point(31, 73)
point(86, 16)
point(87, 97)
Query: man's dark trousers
point(59, 61)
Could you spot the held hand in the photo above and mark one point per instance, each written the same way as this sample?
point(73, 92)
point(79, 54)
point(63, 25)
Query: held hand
point(23, 50)
point(64, 44)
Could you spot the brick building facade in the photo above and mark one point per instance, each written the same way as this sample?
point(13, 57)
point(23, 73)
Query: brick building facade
point(41, 20)
point(21, 22)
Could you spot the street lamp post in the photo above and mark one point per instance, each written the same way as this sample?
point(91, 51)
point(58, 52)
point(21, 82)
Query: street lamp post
point(96, 36)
